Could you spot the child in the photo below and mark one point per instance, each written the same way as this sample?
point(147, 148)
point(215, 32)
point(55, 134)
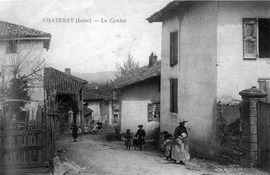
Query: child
point(168, 146)
point(128, 139)
point(161, 141)
point(79, 130)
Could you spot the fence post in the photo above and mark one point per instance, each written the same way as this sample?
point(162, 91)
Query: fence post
point(248, 125)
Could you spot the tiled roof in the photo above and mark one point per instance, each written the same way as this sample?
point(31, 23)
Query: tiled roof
point(102, 92)
point(167, 10)
point(13, 31)
point(61, 82)
point(142, 74)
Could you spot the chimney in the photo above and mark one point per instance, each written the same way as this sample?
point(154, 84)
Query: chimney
point(152, 59)
point(68, 71)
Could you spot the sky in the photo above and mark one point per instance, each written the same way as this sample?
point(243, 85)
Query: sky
point(96, 46)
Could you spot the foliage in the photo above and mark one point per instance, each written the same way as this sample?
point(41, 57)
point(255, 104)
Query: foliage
point(154, 134)
point(18, 89)
point(129, 66)
point(25, 61)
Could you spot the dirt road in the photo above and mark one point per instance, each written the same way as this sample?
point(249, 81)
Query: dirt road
point(101, 157)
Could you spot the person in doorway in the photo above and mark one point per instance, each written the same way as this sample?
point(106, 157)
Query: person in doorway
point(140, 135)
point(74, 132)
point(180, 151)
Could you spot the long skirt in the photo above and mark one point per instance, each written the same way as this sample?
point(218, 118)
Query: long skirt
point(180, 150)
point(168, 149)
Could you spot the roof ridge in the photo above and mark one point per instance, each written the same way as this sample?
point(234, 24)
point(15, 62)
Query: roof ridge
point(142, 74)
point(79, 80)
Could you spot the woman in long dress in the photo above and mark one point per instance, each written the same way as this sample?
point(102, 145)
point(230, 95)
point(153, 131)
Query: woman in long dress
point(180, 151)
point(140, 135)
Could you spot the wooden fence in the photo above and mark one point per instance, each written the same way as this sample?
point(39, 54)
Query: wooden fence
point(28, 144)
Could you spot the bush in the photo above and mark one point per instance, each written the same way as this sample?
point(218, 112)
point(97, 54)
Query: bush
point(154, 134)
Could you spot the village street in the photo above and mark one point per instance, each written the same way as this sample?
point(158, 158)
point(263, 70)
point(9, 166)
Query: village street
point(97, 156)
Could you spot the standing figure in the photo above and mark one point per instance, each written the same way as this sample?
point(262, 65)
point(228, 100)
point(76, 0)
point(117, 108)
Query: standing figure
point(85, 128)
point(92, 124)
point(140, 135)
point(180, 150)
point(74, 132)
point(128, 139)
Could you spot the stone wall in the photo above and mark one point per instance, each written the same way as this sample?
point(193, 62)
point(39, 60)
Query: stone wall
point(228, 130)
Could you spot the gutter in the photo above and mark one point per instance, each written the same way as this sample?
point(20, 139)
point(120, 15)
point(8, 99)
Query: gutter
point(47, 40)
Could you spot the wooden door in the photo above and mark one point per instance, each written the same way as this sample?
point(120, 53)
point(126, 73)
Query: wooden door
point(264, 133)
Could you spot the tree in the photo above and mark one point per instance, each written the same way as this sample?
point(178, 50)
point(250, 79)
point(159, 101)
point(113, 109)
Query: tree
point(18, 89)
point(21, 72)
point(129, 66)
point(23, 62)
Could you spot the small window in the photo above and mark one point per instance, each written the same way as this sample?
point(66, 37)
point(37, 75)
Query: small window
point(256, 35)
point(115, 116)
point(174, 95)
point(153, 111)
point(173, 48)
point(11, 47)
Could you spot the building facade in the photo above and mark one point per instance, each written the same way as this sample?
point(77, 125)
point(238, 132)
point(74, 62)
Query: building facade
point(139, 98)
point(210, 50)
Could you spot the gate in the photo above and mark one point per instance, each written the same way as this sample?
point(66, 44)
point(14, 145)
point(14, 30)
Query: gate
point(264, 133)
point(27, 144)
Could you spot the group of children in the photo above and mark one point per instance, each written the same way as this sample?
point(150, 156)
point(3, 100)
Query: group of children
point(165, 143)
point(138, 141)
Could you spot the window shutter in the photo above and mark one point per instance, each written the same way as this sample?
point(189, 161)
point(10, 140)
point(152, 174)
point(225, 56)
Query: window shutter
point(175, 47)
point(250, 38)
point(173, 95)
point(175, 88)
point(171, 48)
point(150, 112)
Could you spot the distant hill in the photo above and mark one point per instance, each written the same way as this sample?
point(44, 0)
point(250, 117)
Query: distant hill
point(99, 77)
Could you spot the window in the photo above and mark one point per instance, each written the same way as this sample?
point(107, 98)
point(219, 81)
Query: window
point(173, 48)
point(11, 47)
point(115, 106)
point(173, 95)
point(115, 117)
point(153, 111)
point(256, 38)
